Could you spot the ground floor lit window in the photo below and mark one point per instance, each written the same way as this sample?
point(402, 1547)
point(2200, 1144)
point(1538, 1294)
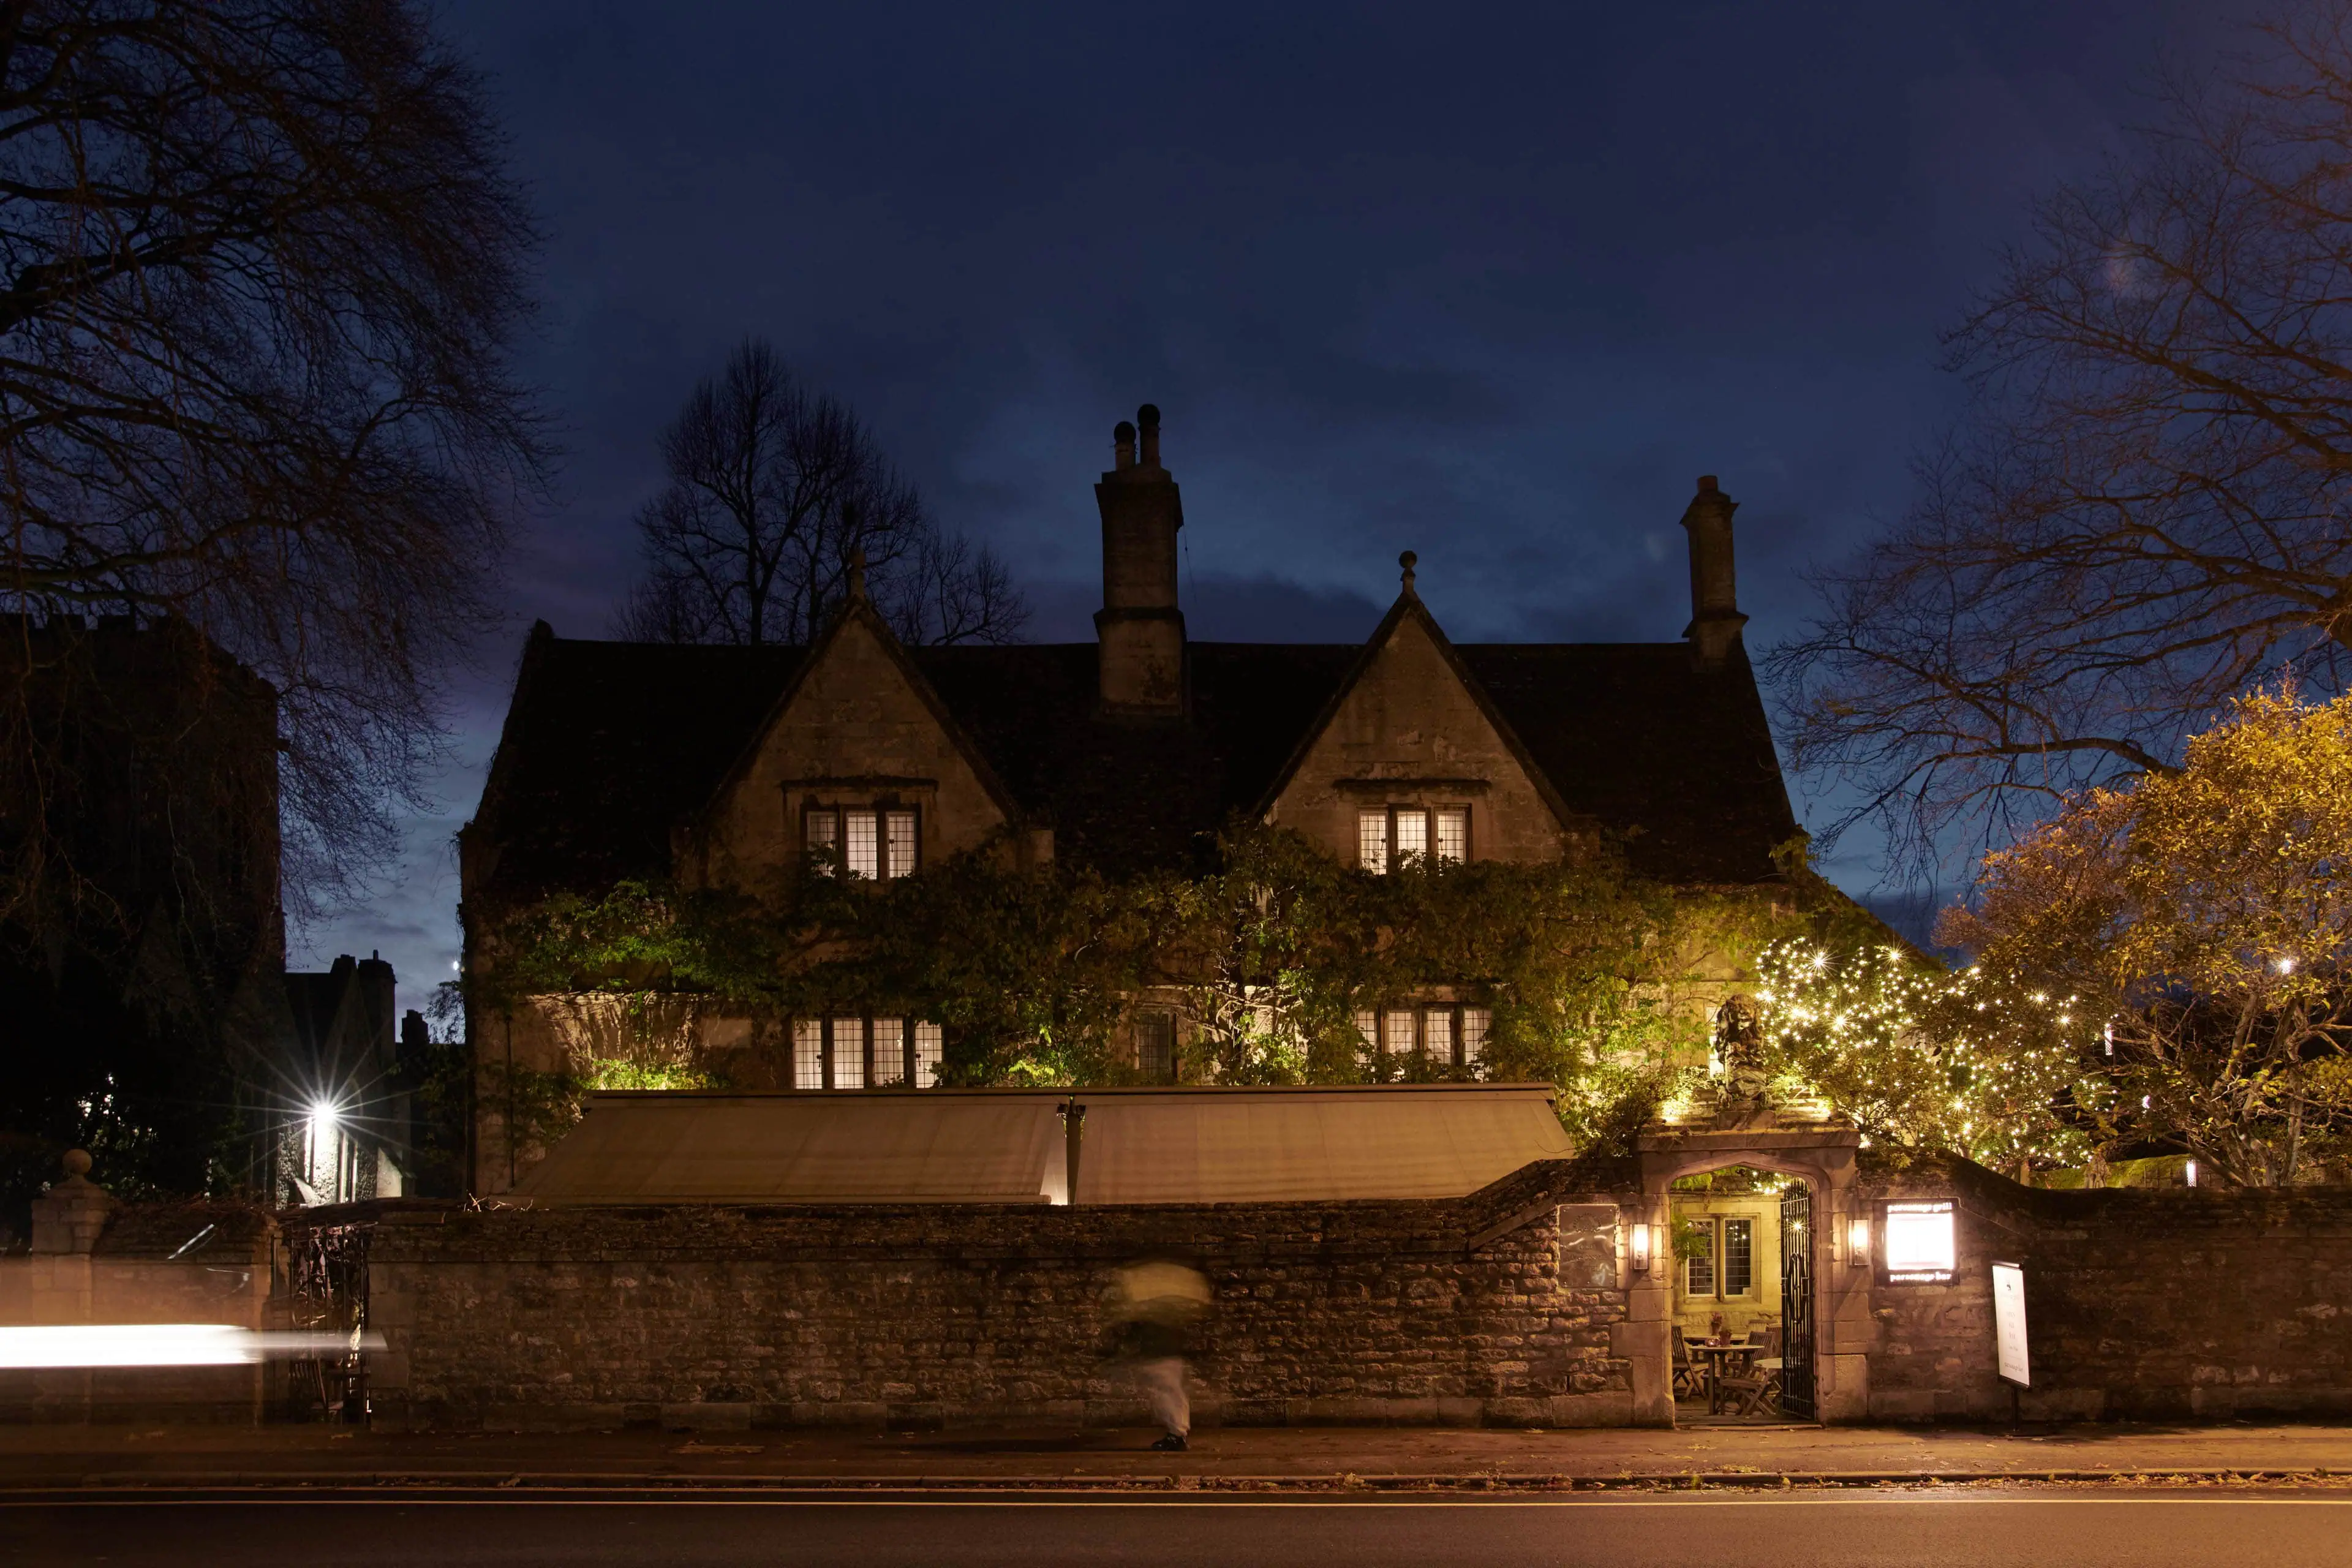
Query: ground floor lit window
point(1445, 1033)
point(864, 1053)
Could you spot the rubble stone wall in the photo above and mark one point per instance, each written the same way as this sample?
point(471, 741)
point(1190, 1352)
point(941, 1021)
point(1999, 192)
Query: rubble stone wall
point(2140, 1304)
point(1495, 1309)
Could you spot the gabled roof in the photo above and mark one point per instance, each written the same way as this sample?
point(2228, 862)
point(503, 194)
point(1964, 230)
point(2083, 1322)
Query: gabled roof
point(859, 614)
point(1409, 607)
point(609, 745)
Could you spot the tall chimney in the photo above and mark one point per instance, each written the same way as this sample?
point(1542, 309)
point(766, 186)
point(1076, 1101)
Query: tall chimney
point(1140, 628)
point(1716, 620)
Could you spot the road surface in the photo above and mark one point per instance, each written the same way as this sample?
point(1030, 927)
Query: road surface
point(1945, 1528)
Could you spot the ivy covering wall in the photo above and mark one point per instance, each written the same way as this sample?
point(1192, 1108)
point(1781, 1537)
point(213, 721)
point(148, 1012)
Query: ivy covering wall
point(1599, 982)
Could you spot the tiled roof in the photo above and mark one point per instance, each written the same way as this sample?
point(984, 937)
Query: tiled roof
point(610, 744)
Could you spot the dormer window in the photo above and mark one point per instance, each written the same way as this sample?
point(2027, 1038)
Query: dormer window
point(1388, 836)
point(876, 842)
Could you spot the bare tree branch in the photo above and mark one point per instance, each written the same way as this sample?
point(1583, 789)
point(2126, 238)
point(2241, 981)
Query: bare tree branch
point(2145, 514)
point(774, 488)
point(261, 267)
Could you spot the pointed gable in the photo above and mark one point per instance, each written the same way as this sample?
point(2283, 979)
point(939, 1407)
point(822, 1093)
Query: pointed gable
point(859, 728)
point(1411, 726)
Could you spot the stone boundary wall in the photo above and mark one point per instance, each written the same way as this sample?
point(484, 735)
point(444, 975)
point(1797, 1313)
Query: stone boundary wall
point(149, 1263)
point(2141, 1304)
point(1501, 1308)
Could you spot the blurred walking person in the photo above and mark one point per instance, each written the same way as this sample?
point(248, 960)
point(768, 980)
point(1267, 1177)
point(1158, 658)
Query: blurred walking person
point(1156, 1307)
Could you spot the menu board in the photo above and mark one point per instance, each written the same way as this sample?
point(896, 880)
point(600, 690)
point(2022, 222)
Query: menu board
point(2009, 1324)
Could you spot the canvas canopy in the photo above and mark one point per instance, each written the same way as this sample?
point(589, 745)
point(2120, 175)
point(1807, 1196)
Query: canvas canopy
point(1006, 1146)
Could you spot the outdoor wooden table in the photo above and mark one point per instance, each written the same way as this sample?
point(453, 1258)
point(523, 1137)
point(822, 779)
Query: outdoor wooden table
point(1716, 1356)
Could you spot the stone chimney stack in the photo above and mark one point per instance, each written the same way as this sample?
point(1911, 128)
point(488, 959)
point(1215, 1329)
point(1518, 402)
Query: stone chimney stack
point(1716, 620)
point(1140, 628)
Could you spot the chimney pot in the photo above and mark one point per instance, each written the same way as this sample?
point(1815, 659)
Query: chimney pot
point(1147, 418)
point(1139, 630)
point(1706, 483)
point(1122, 441)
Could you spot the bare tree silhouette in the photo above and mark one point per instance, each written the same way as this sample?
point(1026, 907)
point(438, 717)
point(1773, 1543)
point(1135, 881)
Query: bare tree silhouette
point(260, 264)
point(2149, 510)
point(774, 488)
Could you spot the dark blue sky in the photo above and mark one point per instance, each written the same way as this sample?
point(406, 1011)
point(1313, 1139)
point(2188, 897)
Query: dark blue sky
point(1490, 283)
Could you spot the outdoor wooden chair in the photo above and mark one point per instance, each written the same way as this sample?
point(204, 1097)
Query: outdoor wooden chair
point(1689, 1381)
point(1746, 1390)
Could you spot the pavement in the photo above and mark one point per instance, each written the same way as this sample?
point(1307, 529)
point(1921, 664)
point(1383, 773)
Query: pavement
point(1980, 1526)
point(47, 1458)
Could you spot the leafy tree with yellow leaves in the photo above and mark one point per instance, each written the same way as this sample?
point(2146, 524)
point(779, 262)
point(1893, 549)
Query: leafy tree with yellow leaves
point(2185, 939)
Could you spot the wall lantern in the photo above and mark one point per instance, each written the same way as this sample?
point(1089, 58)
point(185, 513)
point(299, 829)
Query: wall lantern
point(1857, 1242)
point(1641, 1241)
point(2192, 1173)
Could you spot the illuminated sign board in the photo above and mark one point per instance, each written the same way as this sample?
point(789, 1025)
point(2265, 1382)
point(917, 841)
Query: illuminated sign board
point(1921, 1248)
point(2009, 1325)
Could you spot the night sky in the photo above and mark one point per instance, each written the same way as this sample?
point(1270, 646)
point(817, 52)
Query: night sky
point(1493, 284)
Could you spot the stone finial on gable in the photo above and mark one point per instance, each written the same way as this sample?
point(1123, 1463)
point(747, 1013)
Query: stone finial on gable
point(857, 574)
point(1407, 562)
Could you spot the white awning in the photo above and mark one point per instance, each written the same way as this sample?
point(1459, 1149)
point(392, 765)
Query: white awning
point(1006, 1146)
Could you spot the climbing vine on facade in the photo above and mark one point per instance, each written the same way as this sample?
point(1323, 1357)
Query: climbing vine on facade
point(1272, 953)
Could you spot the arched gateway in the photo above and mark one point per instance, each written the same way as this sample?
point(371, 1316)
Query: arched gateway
point(1819, 1294)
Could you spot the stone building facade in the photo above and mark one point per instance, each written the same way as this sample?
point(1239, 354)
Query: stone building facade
point(726, 768)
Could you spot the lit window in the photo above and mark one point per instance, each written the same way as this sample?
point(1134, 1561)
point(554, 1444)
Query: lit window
point(860, 847)
point(1412, 836)
point(1738, 1256)
point(854, 1052)
point(1396, 1033)
point(1919, 1248)
point(1437, 1034)
point(849, 1053)
point(808, 1054)
point(1391, 835)
point(821, 831)
point(890, 1052)
point(1452, 824)
point(868, 843)
point(1475, 1022)
point(1698, 1258)
point(1447, 1035)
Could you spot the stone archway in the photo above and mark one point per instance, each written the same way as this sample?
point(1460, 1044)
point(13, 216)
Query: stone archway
point(1822, 1154)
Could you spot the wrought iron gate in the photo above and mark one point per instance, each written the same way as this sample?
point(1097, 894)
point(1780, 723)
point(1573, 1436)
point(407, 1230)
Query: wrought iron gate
point(1797, 1302)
